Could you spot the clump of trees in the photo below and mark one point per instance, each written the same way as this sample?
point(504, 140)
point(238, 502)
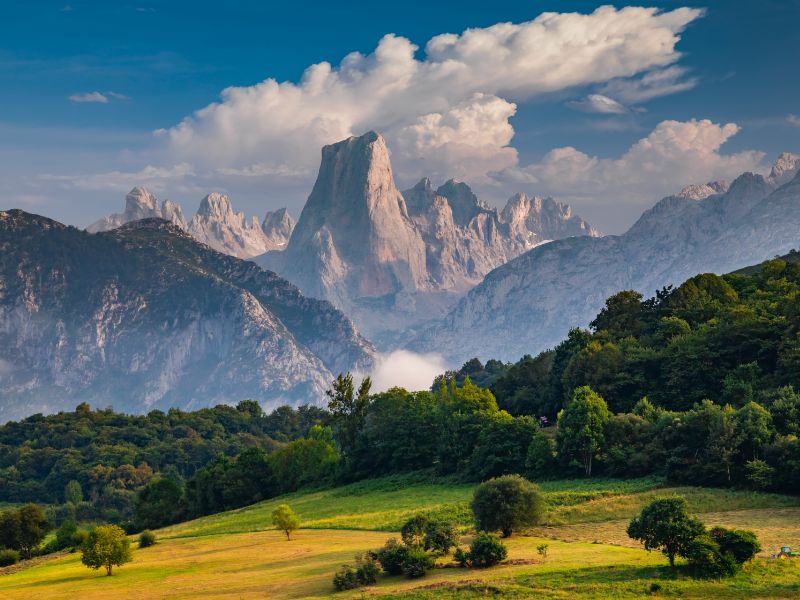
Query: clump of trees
point(23, 529)
point(665, 525)
point(106, 547)
point(364, 573)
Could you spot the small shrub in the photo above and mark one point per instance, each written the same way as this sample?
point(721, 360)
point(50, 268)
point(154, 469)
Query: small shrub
point(345, 578)
point(391, 557)
point(416, 563)
point(541, 549)
point(461, 556)
point(367, 571)
point(8, 557)
point(706, 560)
point(486, 550)
point(146, 539)
point(655, 587)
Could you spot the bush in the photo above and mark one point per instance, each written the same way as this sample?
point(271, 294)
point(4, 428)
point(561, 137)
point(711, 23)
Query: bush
point(146, 539)
point(367, 571)
point(416, 562)
point(8, 557)
point(507, 503)
point(461, 556)
point(486, 550)
point(707, 560)
point(436, 535)
point(391, 556)
point(741, 544)
point(345, 578)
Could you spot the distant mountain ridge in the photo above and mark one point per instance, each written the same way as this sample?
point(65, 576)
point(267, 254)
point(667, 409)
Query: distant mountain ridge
point(215, 223)
point(390, 259)
point(143, 316)
point(529, 303)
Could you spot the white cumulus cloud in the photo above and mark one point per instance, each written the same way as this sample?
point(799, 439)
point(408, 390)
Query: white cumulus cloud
point(406, 369)
point(451, 106)
point(673, 154)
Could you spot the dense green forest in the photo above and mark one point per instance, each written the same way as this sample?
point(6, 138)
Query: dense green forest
point(698, 384)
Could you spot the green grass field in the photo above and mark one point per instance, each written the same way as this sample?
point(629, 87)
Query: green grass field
point(238, 555)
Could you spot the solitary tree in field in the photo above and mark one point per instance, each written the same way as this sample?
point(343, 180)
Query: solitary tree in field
point(284, 519)
point(107, 546)
point(666, 525)
point(23, 529)
point(507, 503)
point(581, 427)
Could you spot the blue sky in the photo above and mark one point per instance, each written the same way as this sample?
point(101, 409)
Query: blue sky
point(155, 63)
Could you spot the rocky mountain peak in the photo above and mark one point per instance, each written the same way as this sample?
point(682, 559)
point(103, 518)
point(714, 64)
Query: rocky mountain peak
point(784, 169)
point(216, 206)
point(278, 226)
point(140, 204)
point(356, 217)
point(172, 211)
point(463, 202)
point(700, 191)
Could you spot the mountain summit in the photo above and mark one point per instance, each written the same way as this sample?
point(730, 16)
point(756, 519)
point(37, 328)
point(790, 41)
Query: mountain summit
point(391, 260)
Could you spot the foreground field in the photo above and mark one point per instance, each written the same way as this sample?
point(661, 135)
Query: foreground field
point(237, 555)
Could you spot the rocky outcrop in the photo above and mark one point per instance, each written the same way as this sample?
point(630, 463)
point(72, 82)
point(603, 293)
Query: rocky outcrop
point(215, 223)
point(143, 316)
point(391, 260)
point(530, 303)
point(278, 226)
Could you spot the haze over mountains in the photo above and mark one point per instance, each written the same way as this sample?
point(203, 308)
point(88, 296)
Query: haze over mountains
point(529, 304)
point(146, 317)
point(153, 310)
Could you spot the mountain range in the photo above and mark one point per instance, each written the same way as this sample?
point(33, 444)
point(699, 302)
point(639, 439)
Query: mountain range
point(392, 259)
point(144, 316)
point(215, 223)
point(530, 303)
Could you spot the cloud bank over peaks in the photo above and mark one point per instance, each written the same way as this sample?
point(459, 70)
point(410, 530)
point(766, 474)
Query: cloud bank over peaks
point(449, 108)
point(674, 153)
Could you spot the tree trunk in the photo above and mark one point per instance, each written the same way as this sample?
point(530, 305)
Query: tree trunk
point(288, 539)
point(671, 557)
point(108, 570)
point(506, 532)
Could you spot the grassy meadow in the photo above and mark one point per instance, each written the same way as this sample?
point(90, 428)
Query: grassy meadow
point(238, 555)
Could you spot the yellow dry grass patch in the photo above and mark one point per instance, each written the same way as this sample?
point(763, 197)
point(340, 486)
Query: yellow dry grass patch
point(774, 527)
point(265, 565)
